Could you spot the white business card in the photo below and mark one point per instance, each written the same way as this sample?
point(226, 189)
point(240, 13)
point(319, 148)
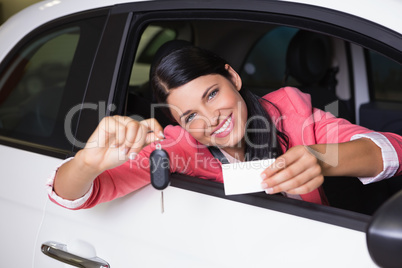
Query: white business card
point(244, 177)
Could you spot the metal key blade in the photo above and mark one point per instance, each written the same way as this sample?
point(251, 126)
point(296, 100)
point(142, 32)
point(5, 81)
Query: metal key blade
point(162, 203)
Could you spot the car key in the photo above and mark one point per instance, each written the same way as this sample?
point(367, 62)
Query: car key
point(160, 171)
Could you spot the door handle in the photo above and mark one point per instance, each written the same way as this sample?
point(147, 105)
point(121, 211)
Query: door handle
point(59, 252)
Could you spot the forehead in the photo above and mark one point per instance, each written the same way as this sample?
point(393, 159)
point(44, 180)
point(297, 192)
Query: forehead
point(188, 95)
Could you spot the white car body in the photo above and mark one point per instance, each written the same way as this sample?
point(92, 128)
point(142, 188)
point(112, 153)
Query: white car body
point(196, 230)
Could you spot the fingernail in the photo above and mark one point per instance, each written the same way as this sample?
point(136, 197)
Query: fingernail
point(264, 185)
point(124, 150)
point(269, 190)
point(132, 156)
point(161, 134)
point(263, 175)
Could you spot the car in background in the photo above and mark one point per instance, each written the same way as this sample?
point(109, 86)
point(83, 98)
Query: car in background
point(64, 65)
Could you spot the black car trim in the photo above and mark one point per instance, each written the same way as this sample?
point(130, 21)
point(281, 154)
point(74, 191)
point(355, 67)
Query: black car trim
point(102, 81)
point(326, 214)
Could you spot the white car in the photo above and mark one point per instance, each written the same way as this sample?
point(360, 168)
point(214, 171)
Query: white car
point(64, 65)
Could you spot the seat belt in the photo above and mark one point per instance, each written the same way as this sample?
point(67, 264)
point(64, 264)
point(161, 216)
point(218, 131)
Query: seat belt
point(218, 154)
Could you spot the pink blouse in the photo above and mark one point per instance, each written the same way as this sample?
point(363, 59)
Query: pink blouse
point(303, 124)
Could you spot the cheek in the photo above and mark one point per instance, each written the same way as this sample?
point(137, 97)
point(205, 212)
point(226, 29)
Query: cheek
point(196, 128)
point(242, 110)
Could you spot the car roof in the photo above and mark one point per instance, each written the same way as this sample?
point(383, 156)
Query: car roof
point(385, 13)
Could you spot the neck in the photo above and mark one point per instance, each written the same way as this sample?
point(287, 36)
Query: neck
point(237, 151)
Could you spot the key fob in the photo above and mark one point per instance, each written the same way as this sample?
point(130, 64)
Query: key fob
point(160, 169)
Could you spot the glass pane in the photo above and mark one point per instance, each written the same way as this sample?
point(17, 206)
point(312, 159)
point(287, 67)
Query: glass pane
point(33, 85)
point(266, 64)
point(386, 78)
point(152, 38)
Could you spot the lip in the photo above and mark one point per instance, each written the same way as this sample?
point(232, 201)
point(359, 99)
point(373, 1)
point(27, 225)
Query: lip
point(227, 130)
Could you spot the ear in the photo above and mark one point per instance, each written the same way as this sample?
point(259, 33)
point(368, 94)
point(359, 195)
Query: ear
point(234, 77)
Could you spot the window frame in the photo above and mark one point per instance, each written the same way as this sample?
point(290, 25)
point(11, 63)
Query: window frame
point(289, 14)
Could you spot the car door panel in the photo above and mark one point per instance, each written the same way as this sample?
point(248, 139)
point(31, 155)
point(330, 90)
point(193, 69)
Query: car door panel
point(197, 230)
point(23, 203)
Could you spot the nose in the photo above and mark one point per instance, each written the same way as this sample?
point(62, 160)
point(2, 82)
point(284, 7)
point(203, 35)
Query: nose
point(214, 118)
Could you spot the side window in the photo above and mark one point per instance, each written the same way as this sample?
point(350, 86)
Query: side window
point(265, 66)
point(32, 92)
point(34, 88)
point(152, 38)
point(386, 78)
point(140, 94)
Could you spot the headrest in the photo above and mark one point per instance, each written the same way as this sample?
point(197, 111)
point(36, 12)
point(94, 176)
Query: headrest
point(308, 57)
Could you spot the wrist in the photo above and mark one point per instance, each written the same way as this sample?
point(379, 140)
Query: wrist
point(85, 165)
point(327, 156)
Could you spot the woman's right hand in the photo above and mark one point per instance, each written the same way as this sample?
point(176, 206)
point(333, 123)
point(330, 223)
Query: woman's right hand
point(116, 139)
point(111, 144)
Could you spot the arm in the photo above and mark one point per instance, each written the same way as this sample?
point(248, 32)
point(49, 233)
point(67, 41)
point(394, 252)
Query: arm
point(111, 144)
point(302, 168)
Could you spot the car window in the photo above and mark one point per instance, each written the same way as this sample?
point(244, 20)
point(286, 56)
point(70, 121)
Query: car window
point(268, 56)
point(265, 66)
point(35, 95)
point(386, 77)
point(140, 93)
point(38, 73)
point(152, 38)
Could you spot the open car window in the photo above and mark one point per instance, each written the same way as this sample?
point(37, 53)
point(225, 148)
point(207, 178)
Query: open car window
point(259, 52)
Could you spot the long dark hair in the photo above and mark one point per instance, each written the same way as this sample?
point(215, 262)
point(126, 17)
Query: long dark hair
point(178, 66)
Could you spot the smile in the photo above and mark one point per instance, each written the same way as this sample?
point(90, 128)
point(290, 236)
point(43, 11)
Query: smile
point(225, 127)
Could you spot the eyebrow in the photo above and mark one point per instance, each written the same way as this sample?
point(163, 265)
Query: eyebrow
point(202, 97)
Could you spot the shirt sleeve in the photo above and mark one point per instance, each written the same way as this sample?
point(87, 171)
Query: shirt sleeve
point(71, 204)
point(389, 156)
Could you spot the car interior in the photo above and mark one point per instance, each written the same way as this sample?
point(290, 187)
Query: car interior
point(269, 56)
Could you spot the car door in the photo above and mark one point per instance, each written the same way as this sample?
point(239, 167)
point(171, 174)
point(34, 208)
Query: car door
point(201, 227)
point(41, 80)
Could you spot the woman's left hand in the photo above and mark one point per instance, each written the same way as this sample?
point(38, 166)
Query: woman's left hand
point(297, 171)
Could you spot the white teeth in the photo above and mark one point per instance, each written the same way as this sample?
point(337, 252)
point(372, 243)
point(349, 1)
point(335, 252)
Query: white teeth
point(224, 127)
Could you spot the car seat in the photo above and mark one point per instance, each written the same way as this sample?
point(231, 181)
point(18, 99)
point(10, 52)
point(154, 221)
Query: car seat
point(308, 60)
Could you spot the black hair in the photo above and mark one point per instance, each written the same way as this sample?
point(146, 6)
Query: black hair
point(185, 63)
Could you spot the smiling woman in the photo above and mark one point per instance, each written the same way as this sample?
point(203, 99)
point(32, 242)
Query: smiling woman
point(206, 98)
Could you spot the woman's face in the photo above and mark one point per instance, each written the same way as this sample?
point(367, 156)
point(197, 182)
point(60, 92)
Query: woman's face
point(211, 109)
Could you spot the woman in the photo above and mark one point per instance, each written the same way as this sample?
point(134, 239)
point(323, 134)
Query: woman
point(204, 96)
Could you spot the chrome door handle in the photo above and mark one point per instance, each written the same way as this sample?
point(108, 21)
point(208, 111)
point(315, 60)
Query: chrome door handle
point(59, 252)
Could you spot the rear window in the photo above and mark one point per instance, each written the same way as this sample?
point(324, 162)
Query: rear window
point(44, 80)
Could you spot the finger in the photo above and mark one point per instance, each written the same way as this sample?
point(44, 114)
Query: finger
point(297, 154)
point(140, 139)
point(153, 125)
point(308, 187)
point(151, 137)
point(295, 181)
point(104, 135)
point(127, 131)
point(283, 175)
point(281, 163)
point(132, 128)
